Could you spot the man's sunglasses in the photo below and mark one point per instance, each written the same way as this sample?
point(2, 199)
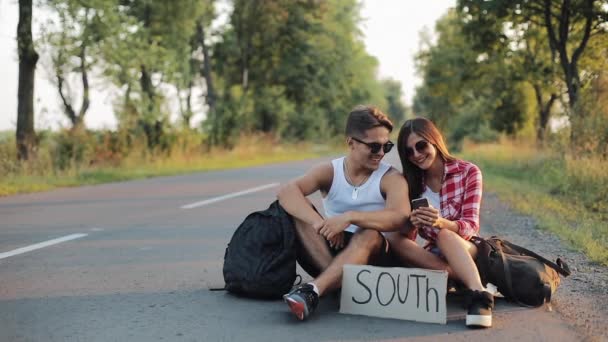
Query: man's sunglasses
point(375, 147)
point(419, 146)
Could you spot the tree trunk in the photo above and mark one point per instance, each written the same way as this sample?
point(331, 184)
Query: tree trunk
point(25, 135)
point(544, 112)
point(185, 106)
point(77, 120)
point(559, 41)
point(67, 106)
point(85, 88)
point(188, 115)
point(146, 75)
point(148, 89)
point(206, 73)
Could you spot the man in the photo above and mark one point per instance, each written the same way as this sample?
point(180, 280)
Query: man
point(363, 198)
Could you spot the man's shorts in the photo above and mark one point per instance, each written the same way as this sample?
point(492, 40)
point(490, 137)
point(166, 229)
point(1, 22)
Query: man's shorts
point(384, 258)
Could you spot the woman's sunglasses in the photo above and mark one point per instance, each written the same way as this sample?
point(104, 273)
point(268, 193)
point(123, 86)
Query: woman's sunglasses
point(419, 146)
point(375, 147)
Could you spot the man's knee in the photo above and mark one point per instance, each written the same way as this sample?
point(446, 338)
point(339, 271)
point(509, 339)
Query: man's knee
point(368, 239)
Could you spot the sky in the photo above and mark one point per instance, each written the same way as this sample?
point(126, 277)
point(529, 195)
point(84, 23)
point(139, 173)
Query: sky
point(391, 31)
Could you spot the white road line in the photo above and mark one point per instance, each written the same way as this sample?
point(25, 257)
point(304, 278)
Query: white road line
point(228, 196)
point(40, 245)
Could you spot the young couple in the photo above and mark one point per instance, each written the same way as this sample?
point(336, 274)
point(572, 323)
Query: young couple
point(367, 211)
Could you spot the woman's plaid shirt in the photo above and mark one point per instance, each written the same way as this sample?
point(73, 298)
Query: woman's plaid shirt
point(460, 199)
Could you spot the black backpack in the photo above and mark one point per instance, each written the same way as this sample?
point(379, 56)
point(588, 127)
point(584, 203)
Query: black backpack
point(260, 260)
point(521, 275)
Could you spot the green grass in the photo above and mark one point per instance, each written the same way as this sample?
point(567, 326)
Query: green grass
point(567, 196)
point(248, 154)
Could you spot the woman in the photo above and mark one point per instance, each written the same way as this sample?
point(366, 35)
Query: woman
point(453, 190)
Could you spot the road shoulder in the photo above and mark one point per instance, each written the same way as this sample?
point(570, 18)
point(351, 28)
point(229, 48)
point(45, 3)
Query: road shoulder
point(582, 298)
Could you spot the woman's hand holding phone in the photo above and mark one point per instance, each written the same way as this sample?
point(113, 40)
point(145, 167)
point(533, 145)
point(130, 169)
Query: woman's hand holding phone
point(428, 216)
point(423, 214)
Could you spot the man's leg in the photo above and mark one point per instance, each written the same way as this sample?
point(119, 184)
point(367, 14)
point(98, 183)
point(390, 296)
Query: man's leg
point(363, 246)
point(313, 253)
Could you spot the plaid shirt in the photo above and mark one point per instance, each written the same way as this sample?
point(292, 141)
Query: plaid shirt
point(460, 199)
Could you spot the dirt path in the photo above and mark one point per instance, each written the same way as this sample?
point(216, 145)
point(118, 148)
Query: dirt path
point(583, 297)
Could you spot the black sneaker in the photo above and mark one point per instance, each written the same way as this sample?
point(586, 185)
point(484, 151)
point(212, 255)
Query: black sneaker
point(480, 305)
point(456, 287)
point(302, 301)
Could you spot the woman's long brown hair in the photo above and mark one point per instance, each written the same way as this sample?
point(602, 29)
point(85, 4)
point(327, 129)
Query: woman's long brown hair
point(427, 130)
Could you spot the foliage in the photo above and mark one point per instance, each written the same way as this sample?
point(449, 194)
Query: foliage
point(150, 47)
point(464, 90)
point(73, 41)
point(545, 42)
point(500, 66)
point(593, 121)
point(566, 193)
point(294, 68)
point(290, 69)
point(115, 157)
point(395, 108)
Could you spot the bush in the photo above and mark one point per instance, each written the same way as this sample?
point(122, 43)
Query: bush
point(8, 155)
point(72, 149)
point(590, 124)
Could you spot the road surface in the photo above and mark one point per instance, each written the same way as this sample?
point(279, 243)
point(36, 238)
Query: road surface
point(134, 261)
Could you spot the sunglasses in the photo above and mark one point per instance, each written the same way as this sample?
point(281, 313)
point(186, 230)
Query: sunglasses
point(375, 147)
point(420, 146)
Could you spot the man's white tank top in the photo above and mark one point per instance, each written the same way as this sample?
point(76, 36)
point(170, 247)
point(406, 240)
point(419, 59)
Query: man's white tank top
point(343, 197)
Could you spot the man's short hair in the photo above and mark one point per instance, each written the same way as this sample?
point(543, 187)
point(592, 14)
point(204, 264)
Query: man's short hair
point(362, 118)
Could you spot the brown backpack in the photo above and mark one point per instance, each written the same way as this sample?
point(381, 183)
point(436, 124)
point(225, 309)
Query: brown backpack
point(521, 275)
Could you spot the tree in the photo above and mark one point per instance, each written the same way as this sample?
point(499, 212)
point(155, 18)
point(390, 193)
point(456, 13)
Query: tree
point(568, 26)
point(465, 91)
point(194, 64)
point(74, 46)
point(25, 135)
point(292, 68)
point(447, 68)
point(205, 66)
point(393, 94)
point(539, 71)
point(149, 47)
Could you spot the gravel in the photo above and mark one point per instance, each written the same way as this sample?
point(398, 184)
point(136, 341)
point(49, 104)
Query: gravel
point(582, 298)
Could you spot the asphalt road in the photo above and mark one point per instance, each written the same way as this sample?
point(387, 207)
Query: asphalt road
point(144, 268)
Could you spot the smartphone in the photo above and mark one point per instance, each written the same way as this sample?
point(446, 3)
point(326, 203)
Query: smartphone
point(419, 202)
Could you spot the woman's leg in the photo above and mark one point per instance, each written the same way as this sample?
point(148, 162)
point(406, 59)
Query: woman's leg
point(413, 255)
point(460, 255)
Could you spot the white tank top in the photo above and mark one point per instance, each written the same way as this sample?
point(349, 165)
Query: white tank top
point(343, 197)
point(432, 197)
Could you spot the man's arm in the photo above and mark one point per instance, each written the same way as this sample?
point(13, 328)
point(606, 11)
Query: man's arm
point(397, 208)
point(292, 196)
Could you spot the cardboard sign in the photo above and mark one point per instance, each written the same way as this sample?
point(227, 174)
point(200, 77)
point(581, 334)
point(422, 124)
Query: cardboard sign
point(393, 292)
